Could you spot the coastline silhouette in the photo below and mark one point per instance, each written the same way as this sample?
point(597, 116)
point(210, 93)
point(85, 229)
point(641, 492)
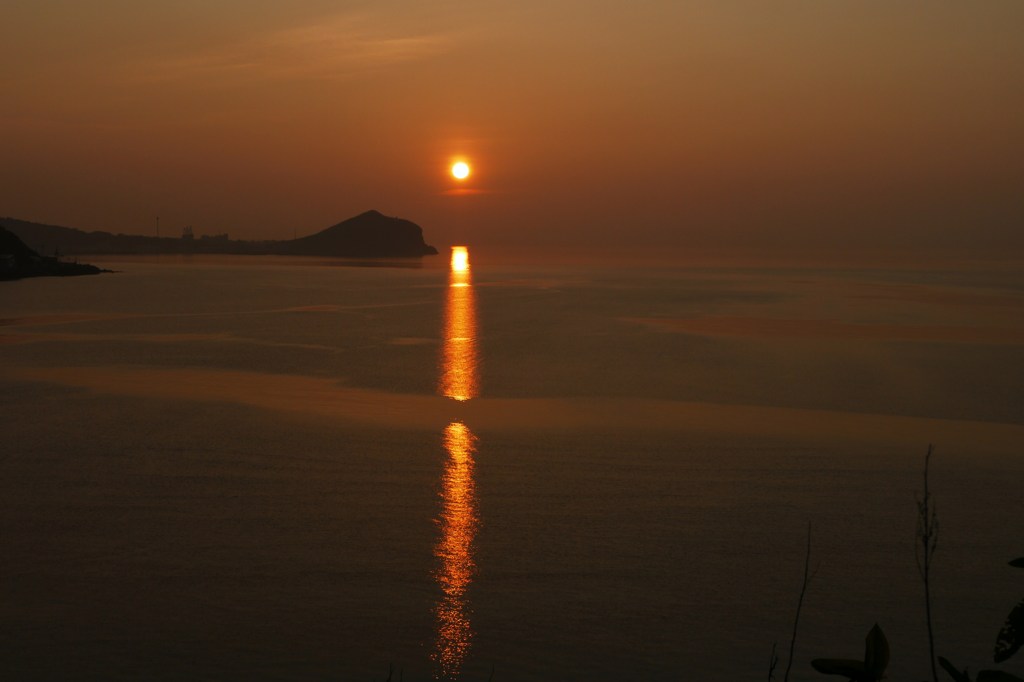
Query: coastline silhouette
point(17, 261)
point(370, 234)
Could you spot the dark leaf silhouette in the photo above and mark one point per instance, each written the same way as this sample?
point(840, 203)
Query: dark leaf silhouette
point(953, 672)
point(846, 667)
point(1011, 637)
point(997, 676)
point(871, 669)
point(1019, 563)
point(876, 653)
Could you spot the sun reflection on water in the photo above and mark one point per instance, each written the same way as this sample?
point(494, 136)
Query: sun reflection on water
point(455, 549)
point(458, 364)
point(458, 519)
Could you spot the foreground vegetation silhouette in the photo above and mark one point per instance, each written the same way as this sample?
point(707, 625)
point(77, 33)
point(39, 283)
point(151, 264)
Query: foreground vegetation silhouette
point(876, 647)
point(872, 668)
point(1008, 642)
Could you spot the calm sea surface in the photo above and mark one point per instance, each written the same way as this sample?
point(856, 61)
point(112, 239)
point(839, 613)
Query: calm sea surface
point(272, 469)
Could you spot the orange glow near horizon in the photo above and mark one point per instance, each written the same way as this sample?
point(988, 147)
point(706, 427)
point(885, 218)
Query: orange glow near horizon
point(459, 354)
point(459, 523)
point(624, 149)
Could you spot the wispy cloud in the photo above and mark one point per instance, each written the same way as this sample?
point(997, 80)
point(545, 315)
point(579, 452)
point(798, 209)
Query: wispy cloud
point(333, 48)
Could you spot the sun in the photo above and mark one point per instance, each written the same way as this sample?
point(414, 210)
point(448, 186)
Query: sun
point(460, 259)
point(460, 170)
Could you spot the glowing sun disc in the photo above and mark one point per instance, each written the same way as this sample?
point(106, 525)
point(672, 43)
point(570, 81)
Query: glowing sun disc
point(460, 170)
point(460, 259)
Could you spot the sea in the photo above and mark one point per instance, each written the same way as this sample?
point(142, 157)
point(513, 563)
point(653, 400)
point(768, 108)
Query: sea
point(473, 468)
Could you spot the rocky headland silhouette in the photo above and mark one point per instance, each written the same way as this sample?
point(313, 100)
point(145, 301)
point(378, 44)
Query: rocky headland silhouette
point(17, 260)
point(367, 235)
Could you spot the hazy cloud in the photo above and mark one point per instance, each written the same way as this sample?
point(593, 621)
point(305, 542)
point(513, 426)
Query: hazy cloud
point(333, 48)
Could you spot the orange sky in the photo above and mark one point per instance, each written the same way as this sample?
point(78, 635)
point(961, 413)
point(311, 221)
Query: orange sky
point(736, 126)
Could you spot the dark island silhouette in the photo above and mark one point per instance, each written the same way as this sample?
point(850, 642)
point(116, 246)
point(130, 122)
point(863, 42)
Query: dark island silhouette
point(367, 235)
point(17, 261)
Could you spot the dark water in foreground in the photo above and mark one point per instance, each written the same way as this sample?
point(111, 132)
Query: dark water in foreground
point(267, 470)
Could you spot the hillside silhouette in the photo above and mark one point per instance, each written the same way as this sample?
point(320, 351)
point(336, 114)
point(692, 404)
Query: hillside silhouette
point(367, 235)
point(17, 260)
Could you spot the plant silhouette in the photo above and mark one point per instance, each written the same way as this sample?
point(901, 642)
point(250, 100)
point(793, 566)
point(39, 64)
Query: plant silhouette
point(876, 648)
point(928, 538)
point(871, 669)
point(983, 675)
point(1008, 642)
point(1011, 637)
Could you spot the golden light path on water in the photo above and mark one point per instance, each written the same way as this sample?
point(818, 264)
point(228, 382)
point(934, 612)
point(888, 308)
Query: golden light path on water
point(459, 519)
point(455, 549)
point(458, 364)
